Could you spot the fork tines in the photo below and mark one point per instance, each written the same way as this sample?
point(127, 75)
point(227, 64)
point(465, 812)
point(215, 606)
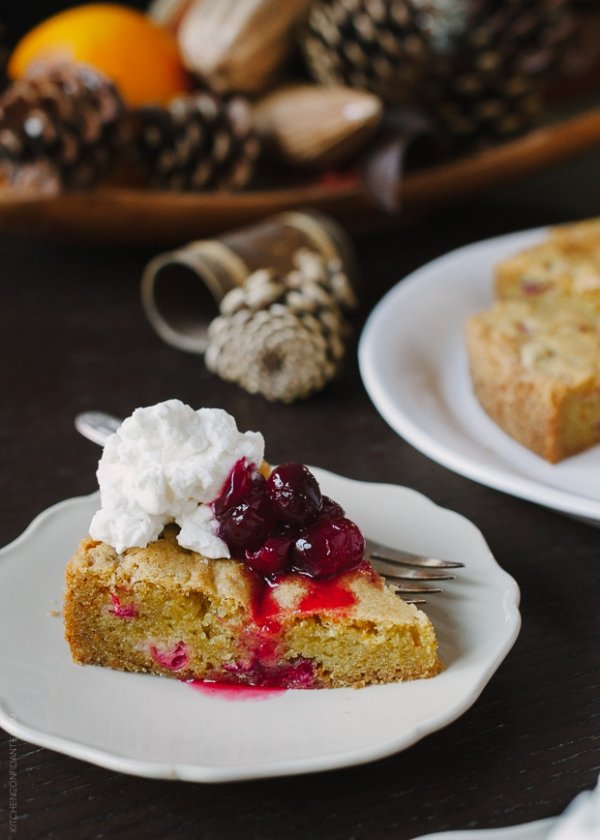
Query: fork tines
point(396, 565)
point(398, 557)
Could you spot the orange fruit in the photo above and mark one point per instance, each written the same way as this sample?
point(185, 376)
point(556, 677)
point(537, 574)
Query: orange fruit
point(125, 45)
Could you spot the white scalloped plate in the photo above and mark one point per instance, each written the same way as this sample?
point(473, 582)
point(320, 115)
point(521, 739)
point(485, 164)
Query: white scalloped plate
point(156, 727)
point(414, 366)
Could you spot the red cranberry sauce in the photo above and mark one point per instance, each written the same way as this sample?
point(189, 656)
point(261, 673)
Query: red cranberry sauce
point(328, 595)
point(296, 674)
point(284, 524)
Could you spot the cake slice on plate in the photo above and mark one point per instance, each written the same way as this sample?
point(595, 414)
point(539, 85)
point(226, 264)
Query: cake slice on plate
point(535, 369)
point(205, 564)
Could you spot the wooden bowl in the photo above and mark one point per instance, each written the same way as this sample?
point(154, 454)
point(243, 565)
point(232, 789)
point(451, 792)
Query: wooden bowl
point(120, 215)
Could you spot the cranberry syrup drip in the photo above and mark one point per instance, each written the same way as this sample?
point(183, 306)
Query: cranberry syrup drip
point(235, 691)
point(319, 595)
point(328, 595)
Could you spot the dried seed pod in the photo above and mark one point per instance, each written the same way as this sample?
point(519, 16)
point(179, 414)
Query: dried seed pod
point(316, 126)
point(239, 45)
point(168, 13)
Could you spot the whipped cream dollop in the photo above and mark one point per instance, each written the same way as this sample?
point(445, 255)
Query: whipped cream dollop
point(165, 464)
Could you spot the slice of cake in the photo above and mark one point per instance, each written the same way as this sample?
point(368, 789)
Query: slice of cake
point(535, 369)
point(170, 611)
point(285, 598)
point(566, 264)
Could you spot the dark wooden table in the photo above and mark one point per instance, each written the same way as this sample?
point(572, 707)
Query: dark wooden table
point(73, 337)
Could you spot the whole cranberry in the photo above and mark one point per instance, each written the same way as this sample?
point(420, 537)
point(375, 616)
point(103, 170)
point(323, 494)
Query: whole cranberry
point(328, 547)
point(271, 558)
point(247, 524)
point(236, 485)
point(294, 493)
point(331, 509)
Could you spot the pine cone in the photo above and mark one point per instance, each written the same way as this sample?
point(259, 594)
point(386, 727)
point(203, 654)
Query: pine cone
point(477, 68)
point(61, 127)
point(376, 45)
point(284, 336)
point(198, 142)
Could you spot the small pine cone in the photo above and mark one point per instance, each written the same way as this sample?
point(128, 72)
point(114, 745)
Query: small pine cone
point(284, 336)
point(198, 142)
point(61, 127)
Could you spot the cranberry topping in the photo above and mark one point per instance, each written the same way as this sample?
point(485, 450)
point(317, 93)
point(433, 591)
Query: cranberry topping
point(294, 493)
point(328, 547)
point(285, 524)
point(272, 557)
point(247, 524)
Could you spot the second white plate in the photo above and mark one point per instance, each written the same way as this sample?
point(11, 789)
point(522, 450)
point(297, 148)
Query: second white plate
point(162, 728)
point(538, 830)
point(414, 366)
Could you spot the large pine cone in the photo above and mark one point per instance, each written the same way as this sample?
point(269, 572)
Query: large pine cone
point(476, 67)
point(376, 45)
point(61, 127)
point(198, 142)
point(283, 336)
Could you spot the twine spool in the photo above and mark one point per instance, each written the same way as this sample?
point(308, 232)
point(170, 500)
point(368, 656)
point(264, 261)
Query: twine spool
point(181, 290)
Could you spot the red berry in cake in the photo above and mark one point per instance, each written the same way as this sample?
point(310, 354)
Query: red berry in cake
point(272, 557)
point(235, 488)
point(172, 660)
point(294, 493)
point(247, 524)
point(331, 509)
point(328, 547)
point(122, 610)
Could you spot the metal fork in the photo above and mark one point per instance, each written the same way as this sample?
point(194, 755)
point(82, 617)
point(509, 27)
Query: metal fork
point(400, 567)
point(407, 573)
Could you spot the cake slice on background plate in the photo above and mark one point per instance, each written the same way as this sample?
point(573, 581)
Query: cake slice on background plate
point(534, 356)
point(565, 264)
